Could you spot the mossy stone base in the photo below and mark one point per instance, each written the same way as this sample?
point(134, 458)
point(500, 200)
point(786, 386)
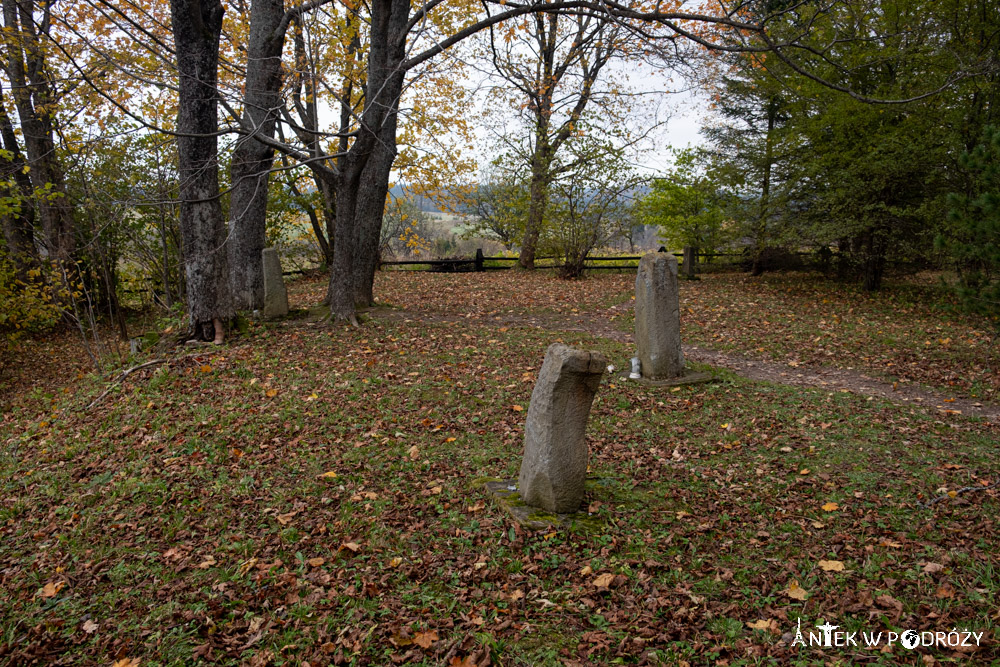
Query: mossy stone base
point(689, 378)
point(536, 518)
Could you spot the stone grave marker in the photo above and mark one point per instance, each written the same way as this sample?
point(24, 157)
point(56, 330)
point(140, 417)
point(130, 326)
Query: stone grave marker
point(554, 469)
point(657, 317)
point(275, 296)
point(658, 323)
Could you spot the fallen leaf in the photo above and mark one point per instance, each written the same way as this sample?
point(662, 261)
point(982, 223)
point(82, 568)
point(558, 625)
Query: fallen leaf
point(831, 566)
point(769, 625)
point(933, 568)
point(604, 580)
point(352, 546)
point(207, 563)
point(516, 408)
point(450, 439)
point(89, 626)
point(945, 590)
point(796, 592)
point(50, 589)
point(126, 662)
point(330, 475)
point(271, 393)
point(246, 566)
point(315, 562)
point(831, 507)
point(425, 639)
point(889, 602)
point(586, 570)
point(435, 490)
point(413, 452)
point(395, 562)
point(467, 661)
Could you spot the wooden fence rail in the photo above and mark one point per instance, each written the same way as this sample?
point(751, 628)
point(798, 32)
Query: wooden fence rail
point(483, 262)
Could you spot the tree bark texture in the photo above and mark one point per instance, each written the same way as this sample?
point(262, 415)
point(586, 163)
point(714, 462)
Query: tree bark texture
point(364, 170)
point(18, 225)
point(31, 89)
point(197, 25)
point(252, 159)
point(590, 50)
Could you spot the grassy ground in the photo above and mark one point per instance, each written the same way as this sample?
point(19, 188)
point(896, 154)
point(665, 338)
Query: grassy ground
point(314, 494)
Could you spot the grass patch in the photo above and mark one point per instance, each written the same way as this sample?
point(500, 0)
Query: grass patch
point(311, 493)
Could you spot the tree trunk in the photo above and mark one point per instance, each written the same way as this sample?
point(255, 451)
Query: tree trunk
point(364, 171)
point(19, 223)
point(765, 191)
point(197, 25)
point(252, 159)
point(326, 184)
point(874, 260)
point(32, 93)
point(538, 194)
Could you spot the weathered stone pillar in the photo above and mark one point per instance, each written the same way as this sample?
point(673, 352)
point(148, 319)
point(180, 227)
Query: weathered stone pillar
point(657, 317)
point(275, 296)
point(554, 469)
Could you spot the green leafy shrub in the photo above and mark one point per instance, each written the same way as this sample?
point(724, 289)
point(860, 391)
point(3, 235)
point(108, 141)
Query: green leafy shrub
point(973, 237)
point(28, 304)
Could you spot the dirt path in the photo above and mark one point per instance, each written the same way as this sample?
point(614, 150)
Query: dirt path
point(822, 377)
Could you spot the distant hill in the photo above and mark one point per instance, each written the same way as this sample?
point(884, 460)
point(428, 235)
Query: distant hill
point(423, 203)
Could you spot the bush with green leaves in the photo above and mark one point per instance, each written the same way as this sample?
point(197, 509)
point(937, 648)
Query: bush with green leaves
point(28, 304)
point(686, 206)
point(973, 237)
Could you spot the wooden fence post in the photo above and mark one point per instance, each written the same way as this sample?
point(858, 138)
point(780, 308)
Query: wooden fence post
point(479, 259)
